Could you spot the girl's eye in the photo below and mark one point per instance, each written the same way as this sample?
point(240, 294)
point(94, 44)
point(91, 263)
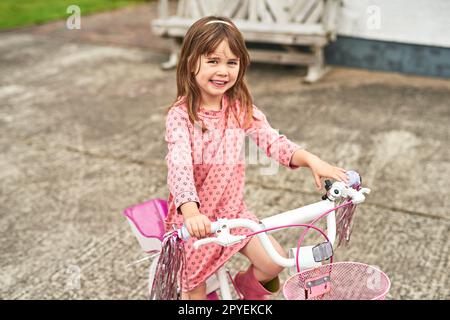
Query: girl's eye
point(215, 61)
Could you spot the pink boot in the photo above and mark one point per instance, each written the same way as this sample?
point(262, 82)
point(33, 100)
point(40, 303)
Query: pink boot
point(251, 289)
point(212, 296)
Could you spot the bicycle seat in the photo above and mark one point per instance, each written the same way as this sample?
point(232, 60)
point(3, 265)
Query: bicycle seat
point(147, 223)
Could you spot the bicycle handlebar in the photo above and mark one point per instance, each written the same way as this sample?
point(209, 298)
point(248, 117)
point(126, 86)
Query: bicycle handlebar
point(183, 232)
point(304, 214)
point(224, 238)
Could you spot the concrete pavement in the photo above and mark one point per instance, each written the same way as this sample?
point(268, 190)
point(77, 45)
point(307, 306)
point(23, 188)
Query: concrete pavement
point(82, 137)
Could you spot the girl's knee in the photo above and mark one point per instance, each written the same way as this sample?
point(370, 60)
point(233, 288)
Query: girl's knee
point(267, 272)
point(271, 268)
point(274, 271)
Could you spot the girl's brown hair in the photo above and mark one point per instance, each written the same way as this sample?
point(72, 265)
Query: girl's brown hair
point(203, 39)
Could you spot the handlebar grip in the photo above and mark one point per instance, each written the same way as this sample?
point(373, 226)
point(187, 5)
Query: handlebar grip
point(354, 178)
point(183, 233)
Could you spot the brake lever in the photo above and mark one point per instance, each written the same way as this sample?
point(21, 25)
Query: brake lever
point(358, 196)
point(223, 236)
point(365, 190)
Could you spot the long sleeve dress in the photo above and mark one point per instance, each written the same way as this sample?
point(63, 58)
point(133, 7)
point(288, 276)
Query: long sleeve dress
point(209, 168)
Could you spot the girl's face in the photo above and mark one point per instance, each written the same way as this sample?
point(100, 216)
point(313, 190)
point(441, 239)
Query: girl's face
point(218, 73)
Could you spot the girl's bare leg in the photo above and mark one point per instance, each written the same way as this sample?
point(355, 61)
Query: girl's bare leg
point(198, 293)
point(263, 267)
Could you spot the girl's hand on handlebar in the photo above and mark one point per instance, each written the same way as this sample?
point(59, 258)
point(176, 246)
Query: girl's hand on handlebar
point(198, 225)
point(321, 169)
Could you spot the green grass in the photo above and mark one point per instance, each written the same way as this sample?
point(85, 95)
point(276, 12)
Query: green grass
point(20, 13)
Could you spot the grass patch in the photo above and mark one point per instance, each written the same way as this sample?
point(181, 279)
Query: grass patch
point(20, 13)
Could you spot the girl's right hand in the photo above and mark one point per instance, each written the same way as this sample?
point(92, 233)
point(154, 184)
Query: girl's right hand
point(198, 225)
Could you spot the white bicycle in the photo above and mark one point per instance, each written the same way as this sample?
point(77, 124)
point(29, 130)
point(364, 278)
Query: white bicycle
point(313, 280)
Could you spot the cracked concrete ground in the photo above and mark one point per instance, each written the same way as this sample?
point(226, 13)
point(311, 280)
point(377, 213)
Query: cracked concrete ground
point(82, 138)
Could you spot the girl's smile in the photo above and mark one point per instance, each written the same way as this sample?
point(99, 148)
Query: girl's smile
point(219, 84)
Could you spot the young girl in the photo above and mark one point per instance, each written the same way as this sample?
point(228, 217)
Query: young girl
point(205, 130)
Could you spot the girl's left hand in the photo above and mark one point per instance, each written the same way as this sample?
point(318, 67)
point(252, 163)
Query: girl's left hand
point(321, 169)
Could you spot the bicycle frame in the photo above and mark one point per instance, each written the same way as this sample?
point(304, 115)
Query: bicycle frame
point(301, 215)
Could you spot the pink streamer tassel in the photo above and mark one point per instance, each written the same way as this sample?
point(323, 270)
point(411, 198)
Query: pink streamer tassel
point(344, 223)
point(169, 270)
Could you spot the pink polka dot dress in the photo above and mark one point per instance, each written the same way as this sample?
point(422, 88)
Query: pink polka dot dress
point(209, 168)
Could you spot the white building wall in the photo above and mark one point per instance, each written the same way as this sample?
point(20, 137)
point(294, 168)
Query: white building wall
point(424, 22)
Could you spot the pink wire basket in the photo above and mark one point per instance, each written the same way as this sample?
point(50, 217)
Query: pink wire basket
point(338, 281)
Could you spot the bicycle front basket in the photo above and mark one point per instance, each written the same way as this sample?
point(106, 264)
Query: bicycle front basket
point(338, 281)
